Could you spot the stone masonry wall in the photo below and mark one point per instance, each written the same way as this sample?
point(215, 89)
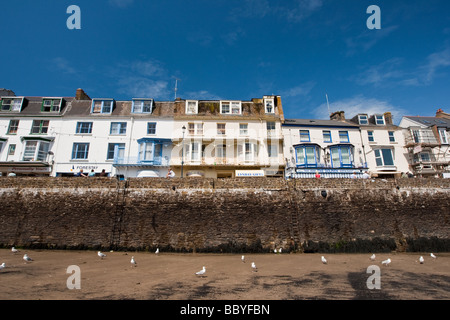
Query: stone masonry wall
point(230, 215)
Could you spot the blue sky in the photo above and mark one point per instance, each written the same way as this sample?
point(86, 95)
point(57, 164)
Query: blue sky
point(227, 49)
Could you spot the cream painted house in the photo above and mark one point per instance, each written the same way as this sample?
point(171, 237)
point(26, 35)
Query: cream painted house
point(228, 138)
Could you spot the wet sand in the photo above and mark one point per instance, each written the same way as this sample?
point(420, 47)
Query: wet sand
point(170, 276)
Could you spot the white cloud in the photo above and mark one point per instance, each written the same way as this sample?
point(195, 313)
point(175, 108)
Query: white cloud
point(301, 10)
point(201, 95)
point(435, 62)
point(367, 39)
point(393, 71)
point(359, 104)
point(139, 87)
point(300, 90)
point(381, 74)
point(293, 11)
point(146, 78)
point(63, 65)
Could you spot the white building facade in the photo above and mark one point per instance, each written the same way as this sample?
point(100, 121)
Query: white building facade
point(427, 140)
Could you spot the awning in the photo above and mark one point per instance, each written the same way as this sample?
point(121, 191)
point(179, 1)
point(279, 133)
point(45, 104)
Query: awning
point(147, 173)
point(153, 140)
point(28, 164)
point(34, 138)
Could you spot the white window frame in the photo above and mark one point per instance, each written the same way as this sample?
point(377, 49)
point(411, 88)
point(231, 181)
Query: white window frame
point(247, 152)
point(121, 125)
point(243, 129)
point(138, 105)
point(38, 152)
point(380, 156)
point(102, 106)
point(232, 106)
point(221, 131)
point(377, 120)
point(195, 128)
point(443, 135)
point(54, 103)
point(189, 109)
point(14, 106)
point(363, 119)
point(269, 105)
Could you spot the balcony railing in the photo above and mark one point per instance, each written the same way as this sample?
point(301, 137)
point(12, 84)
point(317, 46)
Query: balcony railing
point(135, 161)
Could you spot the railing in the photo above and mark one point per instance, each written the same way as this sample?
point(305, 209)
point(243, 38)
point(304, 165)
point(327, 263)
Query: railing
point(424, 137)
point(135, 161)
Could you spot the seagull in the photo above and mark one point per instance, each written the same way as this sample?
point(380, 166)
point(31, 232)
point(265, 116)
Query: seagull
point(101, 255)
point(201, 272)
point(386, 262)
point(275, 250)
point(2, 266)
point(254, 267)
point(14, 250)
point(27, 258)
point(133, 262)
point(421, 259)
point(372, 257)
point(157, 251)
point(279, 250)
point(324, 261)
point(243, 259)
point(433, 256)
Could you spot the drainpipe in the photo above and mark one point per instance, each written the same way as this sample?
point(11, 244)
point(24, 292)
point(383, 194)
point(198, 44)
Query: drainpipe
point(129, 147)
point(362, 144)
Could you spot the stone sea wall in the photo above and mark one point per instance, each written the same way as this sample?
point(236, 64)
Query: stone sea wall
point(229, 215)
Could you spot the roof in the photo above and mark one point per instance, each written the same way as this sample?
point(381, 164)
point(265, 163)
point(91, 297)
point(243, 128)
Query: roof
point(430, 121)
point(32, 106)
point(318, 123)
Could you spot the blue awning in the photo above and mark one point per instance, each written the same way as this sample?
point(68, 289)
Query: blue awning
point(153, 140)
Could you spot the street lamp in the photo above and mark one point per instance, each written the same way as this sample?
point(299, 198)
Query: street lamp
point(183, 129)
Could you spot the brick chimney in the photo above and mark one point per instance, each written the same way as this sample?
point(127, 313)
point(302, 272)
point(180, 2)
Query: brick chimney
point(388, 118)
point(338, 115)
point(81, 95)
point(441, 114)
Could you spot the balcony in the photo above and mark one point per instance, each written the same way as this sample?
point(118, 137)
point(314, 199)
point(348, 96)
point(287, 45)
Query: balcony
point(136, 162)
point(422, 137)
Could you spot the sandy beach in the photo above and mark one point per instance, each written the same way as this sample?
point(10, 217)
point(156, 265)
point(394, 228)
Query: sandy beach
point(170, 276)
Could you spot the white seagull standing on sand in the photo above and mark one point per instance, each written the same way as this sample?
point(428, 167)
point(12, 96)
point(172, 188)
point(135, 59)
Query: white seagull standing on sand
point(324, 261)
point(386, 262)
point(101, 255)
point(421, 260)
point(157, 251)
point(133, 262)
point(255, 269)
point(27, 258)
point(2, 266)
point(243, 259)
point(14, 250)
point(201, 272)
point(433, 256)
point(372, 257)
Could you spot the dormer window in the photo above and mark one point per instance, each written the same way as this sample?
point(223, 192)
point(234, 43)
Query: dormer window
point(102, 106)
point(191, 106)
point(363, 119)
point(51, 105)
point(142, 105)
point(379, 120)
point(269, 105)
point(230, 107)
point(12, 104)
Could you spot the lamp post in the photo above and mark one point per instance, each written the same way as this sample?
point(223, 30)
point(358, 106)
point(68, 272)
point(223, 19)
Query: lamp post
point(183, 129)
